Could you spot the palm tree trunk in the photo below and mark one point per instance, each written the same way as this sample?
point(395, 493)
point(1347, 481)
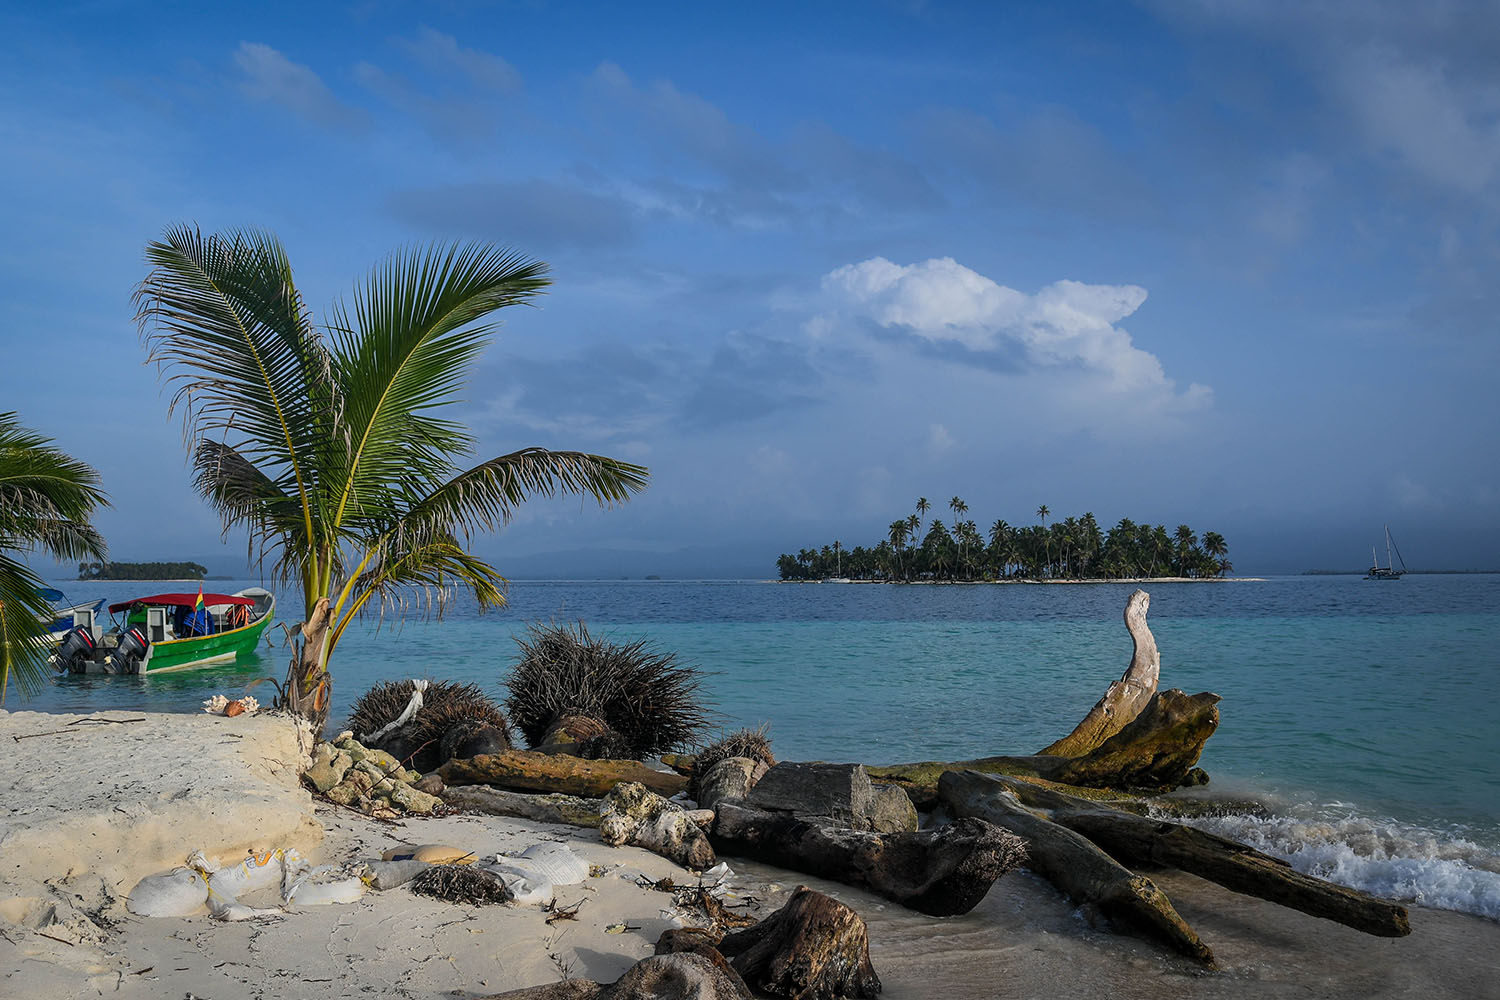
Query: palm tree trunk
point(308, 691)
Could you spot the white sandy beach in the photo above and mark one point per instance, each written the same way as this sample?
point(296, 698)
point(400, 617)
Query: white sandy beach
point(92, 808)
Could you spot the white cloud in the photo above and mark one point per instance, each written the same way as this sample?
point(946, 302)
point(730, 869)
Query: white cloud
point(441, 53)
point(271, 76)
point(1066, 325)
point(939, 439)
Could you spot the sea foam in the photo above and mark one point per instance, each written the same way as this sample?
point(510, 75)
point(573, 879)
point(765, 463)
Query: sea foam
point(1380, 857)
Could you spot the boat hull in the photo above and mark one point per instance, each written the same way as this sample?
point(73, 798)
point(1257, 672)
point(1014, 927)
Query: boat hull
point(202, 651)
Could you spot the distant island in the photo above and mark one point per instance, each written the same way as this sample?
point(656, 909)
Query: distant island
point(141, 571)
point(1075, 548)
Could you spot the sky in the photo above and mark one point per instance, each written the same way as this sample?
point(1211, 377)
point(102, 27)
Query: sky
point(1231, 263)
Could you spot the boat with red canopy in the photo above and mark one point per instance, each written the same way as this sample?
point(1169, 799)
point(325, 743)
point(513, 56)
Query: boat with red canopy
point(167, 632)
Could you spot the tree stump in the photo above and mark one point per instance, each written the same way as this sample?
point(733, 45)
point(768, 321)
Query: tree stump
point(813, 948)
point(1125, 698)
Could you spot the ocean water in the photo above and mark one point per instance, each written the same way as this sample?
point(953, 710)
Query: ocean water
point(1363, 713)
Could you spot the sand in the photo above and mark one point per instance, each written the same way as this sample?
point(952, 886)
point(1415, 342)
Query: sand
point(89, 811)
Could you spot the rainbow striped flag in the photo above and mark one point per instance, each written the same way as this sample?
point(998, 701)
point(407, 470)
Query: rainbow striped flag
point(199, 605)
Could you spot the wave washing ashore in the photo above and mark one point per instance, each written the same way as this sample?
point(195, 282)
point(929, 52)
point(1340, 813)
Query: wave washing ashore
point(1385, 787)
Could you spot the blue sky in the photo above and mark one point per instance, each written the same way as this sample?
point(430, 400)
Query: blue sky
point(1228, 263)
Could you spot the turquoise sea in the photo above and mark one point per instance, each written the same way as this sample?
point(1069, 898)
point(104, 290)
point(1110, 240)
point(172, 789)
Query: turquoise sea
point(1364, 713)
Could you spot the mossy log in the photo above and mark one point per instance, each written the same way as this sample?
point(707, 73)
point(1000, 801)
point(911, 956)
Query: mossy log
point(1126, 697)
point(1076, 866)
point(1155, 751)
point(813, 947)
point(530, 771)
point(941, 872)
point(544, 808)
point(1137, 840)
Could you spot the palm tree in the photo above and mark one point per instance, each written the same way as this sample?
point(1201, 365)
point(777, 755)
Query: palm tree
point(324, 443)
point(46, 499)
point(1042, 513)
point(899, 531)
point(922, 508)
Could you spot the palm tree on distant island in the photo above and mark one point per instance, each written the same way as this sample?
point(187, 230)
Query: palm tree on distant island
point(324, 443)
point(46, 500)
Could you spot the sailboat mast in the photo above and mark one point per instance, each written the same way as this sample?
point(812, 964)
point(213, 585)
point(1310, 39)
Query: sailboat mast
point(1388, 561)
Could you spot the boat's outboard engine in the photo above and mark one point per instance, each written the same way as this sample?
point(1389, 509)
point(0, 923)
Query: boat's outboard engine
point(127, 657)
point(75, 650)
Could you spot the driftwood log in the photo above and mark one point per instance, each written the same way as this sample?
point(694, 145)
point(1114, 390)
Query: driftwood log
point(941, 872)
point(1139, 840)
point(813, 947)
point(1076, 866)
point(544, 808)
point(1156, 750)
point(1126, 697)
point(528, 770)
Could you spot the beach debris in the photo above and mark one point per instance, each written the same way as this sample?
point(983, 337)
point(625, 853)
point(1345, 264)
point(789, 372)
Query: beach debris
point(943, 871)
point(835, 794)
point(1126, 697)
point(428, 722)
point(632, 814)
point(178, 893)
point(461, 884)
point(532, 771)
point(383, 875)
point(1141, 840)
point(556, 913)
point(532, 874)
point(813, 947)
point(1081, 870)
point(220, 705)
point(730, 778)
point(326, 885)
point(595, 699)
point(432, 854)
point(553, 807)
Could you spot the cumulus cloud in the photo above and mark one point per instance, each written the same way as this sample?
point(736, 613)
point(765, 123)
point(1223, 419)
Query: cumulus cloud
point(441, 54)
point(1066, 325)
point(267, 75)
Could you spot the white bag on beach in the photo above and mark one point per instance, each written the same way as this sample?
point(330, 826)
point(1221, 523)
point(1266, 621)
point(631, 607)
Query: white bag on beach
point(525, 886)
point(259, 871)
point(222, 907)
point(176, 894)
point(324, 885)
point(552, 862)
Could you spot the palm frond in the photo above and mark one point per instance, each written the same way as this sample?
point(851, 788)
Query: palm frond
point(223, 319)
point(46, 496)
point(23, 639)
point(486, 496)
point(246, 497)
point(418, 328)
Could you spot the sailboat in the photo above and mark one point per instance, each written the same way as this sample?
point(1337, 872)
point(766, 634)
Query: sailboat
point(1389, 570)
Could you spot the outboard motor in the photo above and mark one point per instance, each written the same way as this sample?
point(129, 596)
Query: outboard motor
point(127, 657)
point(75, 650)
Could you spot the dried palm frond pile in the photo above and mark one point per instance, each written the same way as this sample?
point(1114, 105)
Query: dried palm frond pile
point(450, 713)
point(613, 700)
point(752, 743)
point(462, 884)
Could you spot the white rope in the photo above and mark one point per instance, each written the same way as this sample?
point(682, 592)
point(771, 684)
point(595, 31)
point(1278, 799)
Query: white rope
point(412, 708)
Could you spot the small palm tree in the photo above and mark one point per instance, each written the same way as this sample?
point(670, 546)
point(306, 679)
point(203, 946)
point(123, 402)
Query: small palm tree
point(324, 443)
point(923, 506)
point(46, 499)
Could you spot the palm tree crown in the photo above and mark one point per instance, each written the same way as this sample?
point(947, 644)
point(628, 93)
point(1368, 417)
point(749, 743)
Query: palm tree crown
point(325, 443)
point(46, 499)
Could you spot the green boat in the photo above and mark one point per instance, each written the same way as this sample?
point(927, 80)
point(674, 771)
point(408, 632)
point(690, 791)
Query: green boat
point(167, 632)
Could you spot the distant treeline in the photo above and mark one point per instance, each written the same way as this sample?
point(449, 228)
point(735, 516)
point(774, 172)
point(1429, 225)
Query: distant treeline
point(141, 571)
point(1075, 548)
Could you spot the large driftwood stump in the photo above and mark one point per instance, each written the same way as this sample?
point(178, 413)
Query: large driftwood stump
point(941, 872)
point(530, 771)
point(678, 976)
point(1140, 840)
point(833, 794)
point(1155, 751)
point(1073, 864)
point(1125, 698)
point(813, 948)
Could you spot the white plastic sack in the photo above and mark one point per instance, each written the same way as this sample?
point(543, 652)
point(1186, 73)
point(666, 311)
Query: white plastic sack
point(222, 907)
point(324, 885)
point(177, 894)
point(553, 862)
point(525, 885)
point(389, 874)
point(259, 871)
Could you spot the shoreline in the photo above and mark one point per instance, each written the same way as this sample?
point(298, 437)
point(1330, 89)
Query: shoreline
point(227, 785)
point(1086, 580)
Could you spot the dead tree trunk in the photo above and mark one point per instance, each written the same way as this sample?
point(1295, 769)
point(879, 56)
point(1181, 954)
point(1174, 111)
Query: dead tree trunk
point(1070, 862)
point(1155, 751)
point(531, 771)
point(939, 872)
point(1136, 840)
point(1125, 698)
point(814, 947)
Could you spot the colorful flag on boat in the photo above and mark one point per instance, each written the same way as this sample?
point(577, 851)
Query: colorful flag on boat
point(199, 605)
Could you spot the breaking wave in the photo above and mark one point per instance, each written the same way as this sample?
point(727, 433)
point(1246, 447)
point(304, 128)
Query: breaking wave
point(1381, 857)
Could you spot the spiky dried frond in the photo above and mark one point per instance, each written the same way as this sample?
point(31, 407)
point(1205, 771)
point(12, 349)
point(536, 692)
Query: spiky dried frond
point(753, 743)
point(443, 704)
point(645, 696)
